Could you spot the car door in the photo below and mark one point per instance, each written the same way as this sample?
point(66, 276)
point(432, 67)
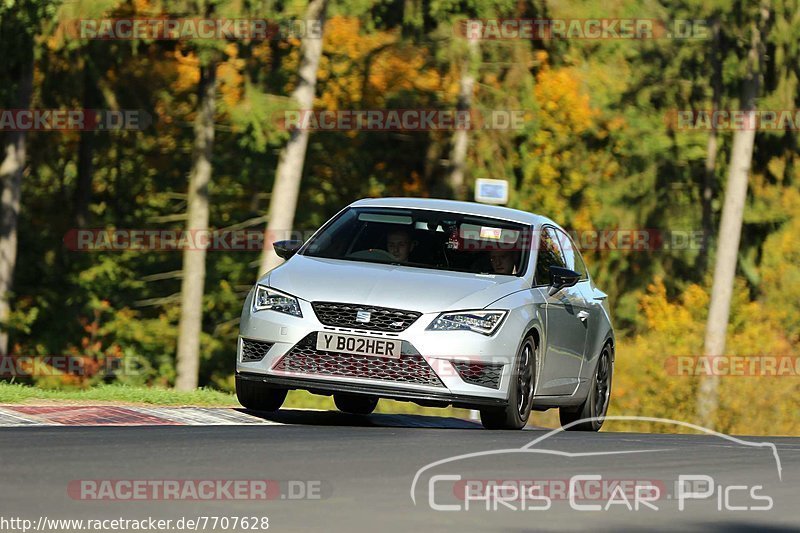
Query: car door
point(583, 294)
point(566, 313)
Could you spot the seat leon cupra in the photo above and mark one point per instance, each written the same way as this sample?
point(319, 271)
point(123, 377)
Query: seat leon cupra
point(436, 302)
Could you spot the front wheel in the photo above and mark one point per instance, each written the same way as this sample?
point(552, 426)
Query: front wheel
point(259, 396)
point(515, 415)
point(595, 407)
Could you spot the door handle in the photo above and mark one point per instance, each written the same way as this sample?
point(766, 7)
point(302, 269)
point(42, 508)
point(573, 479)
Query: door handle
point(583, 315)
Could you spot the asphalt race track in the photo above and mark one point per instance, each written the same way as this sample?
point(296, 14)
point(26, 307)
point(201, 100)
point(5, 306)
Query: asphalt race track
point(338, 472)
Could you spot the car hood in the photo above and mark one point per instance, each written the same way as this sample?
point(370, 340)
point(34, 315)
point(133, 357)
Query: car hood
point(414, 289)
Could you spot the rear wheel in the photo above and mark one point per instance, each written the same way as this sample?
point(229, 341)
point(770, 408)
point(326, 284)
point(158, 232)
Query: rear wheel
point(595, 406)
point(515, 415)
point(355, 404)
point(259, 396)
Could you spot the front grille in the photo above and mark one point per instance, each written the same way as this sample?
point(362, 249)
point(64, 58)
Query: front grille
point(305, 359)
point(485, 375)
point(380, 319)
point(253, 351)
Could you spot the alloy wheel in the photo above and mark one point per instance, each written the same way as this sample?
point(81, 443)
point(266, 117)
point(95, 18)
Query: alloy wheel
point(525, 382)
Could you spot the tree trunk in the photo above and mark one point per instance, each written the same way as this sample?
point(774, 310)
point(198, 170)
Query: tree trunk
point(433, 156)
point(11, 171)
point(458, 155)
point(194, 260)
point(283, 203)
point(707, 192)
point(83, 188)
point(730, 230)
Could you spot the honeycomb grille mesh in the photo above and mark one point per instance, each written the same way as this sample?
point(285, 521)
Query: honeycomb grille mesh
point(381, 318)
point(485, 375)
point(253, 351)
point(305, 359)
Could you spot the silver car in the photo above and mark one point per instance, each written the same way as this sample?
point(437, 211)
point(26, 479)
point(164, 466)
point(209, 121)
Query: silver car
point(436, 302)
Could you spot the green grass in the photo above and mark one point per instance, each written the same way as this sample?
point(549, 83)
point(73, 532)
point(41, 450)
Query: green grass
point(17, 393)
point(123, 394)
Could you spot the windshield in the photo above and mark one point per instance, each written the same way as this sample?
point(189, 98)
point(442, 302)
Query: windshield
point(424, 239)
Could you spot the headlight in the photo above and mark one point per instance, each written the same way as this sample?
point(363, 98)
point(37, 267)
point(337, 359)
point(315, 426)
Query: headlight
point(480, 321)
point(268, 298)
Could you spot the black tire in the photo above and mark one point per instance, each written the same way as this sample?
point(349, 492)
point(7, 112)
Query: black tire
point(520, 399)
point(595, 406)
point(259, 396)
point(355, 404)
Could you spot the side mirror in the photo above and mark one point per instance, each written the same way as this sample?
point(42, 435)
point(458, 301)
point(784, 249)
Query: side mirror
point(561, 277)
point(286, 249)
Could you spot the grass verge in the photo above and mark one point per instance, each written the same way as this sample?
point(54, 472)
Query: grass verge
point(11, 393)
point(122, 394)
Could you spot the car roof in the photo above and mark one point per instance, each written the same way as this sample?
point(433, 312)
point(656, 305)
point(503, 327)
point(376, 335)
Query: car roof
point(453, 206)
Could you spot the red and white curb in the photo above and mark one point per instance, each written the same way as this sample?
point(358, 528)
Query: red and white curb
point(81, 415)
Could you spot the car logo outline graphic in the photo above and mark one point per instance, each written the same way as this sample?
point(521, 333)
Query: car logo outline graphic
point(530, 447)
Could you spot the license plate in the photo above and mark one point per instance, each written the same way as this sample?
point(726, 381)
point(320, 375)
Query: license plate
point(333, 342)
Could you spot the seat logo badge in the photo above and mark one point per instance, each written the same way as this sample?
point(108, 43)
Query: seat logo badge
point(363, 316)
point(399, 324)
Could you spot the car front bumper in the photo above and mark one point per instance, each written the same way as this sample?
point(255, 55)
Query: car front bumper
point(445, 352)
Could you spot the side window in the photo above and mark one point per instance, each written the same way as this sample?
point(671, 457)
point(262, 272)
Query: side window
point(549, 254)
point(572, 255)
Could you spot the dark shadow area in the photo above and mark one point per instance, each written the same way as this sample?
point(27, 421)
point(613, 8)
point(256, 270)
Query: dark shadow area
point(336, 418)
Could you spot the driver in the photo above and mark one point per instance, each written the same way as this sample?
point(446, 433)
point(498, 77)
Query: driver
point(399, 244)
point(503, 262)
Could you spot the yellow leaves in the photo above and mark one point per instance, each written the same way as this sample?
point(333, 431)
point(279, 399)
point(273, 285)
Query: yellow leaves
point(780, 278)
point(187, 72)
point(565, 108)
point(695, 297)
point(143, 6)
point(583, 218)
point(343, 37)
point(231, 80)
point(376, 63)
point(654, 304)
point(680, 316)
point(617, 123)
point(261, 53)
point(557, 169)
point(403, 68)
point(647, 382)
